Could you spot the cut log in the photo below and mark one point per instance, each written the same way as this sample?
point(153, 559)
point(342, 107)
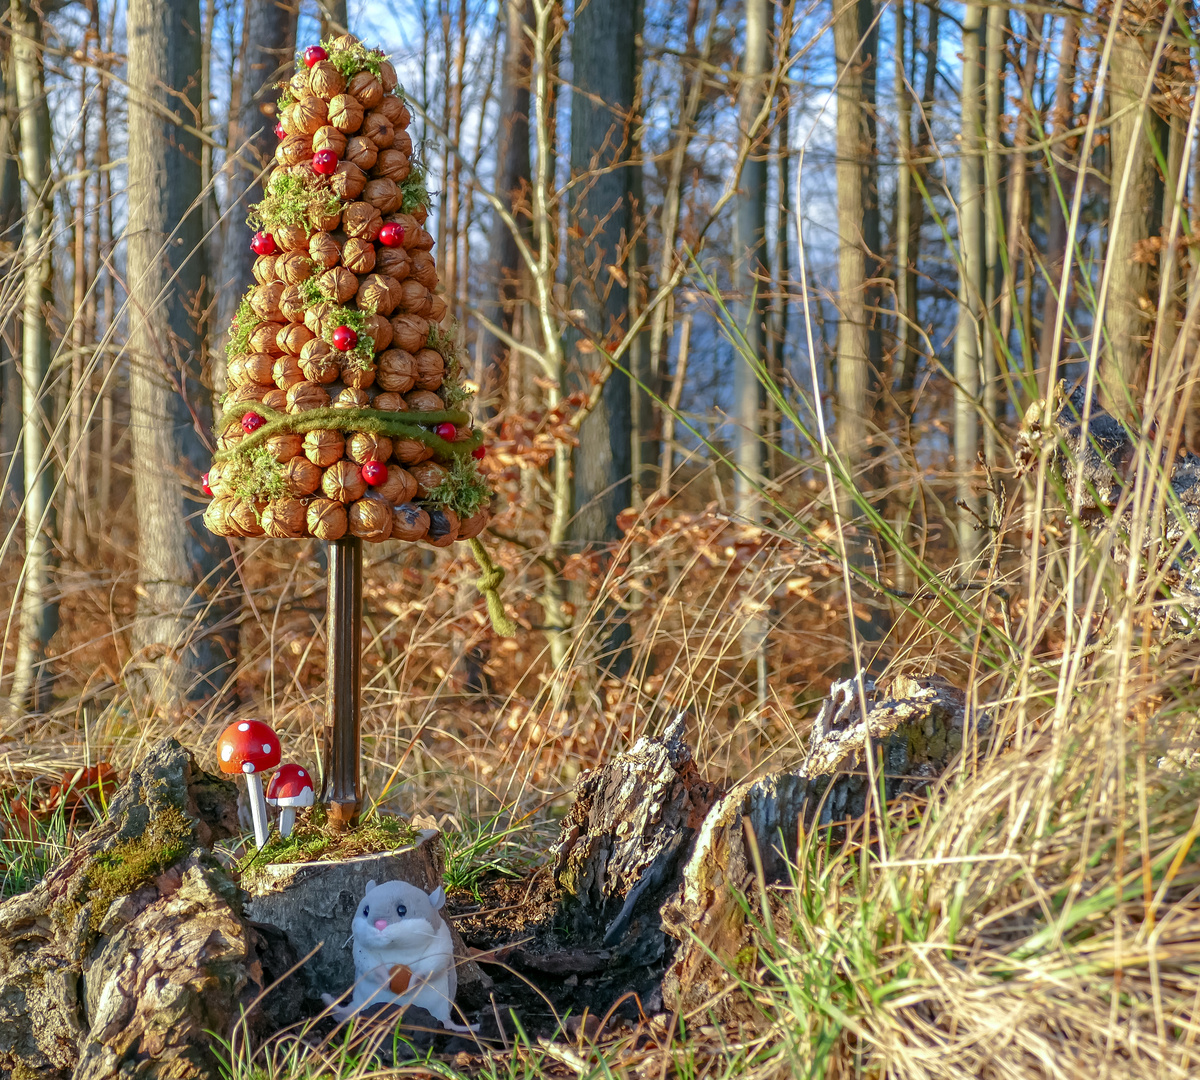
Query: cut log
point(913, 730)
point(129, 953)
point(622, 847)
point(314, 904)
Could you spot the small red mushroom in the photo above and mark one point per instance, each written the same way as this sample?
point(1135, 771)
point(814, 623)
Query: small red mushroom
point(249, 747)
point(290, 787)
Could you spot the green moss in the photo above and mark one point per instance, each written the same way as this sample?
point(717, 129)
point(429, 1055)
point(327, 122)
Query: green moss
point(130, 865)
point(445, 342)
point(313, 841)
point(257, 476)
point(413, 190)
point(362, 356)
point(464, 489)
point(245, 322)
point(294, 200)
point(354, 59)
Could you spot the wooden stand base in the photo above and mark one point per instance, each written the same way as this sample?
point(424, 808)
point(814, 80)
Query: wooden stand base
point(341, 751)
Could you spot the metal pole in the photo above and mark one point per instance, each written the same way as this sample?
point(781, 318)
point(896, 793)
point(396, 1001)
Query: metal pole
point(342, 751)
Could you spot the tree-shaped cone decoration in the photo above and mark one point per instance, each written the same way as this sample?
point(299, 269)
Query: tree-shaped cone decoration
point(344, 417)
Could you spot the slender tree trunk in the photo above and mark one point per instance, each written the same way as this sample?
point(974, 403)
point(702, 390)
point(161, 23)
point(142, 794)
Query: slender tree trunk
point(604, 52)
point(39, 605)
point(107, 419)
point(967, 340)
point(783, 269)
point(186, 649)
point(1132, 220)
point(667, 465)
point(750, 276)
point(993, 350)
point(859, 346)
point(450, 265)
point(11, 468)
point(270, 44)
point(905, 313)
point(334, 19)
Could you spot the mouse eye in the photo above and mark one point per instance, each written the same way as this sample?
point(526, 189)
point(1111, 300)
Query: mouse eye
point(401, 910)
point(366, 912)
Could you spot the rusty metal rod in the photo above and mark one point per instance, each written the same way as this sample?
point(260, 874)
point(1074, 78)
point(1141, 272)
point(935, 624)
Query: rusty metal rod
point(340, 790)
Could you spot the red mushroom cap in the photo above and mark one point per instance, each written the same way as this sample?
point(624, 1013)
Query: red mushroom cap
point(291, 786)
point(248, 746)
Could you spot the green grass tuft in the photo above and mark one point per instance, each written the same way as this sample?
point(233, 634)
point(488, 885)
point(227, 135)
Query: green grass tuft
point(245, 322)
point(353, 60)
point(257, 477)
point(464, 489)
point(293, 200)
point(414, 192)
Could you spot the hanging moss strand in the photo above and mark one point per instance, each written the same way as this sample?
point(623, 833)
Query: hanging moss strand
point(488, 583)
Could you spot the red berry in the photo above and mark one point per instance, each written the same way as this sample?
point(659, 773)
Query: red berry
point(391, 234)
point(374, 472)
point(447, 431)
point(325, 162)
point(263, 244)
point(204, 485)
point(251, 422)
point(279, 132)
point(344, 339)
point(314, 54)
point(479, 453)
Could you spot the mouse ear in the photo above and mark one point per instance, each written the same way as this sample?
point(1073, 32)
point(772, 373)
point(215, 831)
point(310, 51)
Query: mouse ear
point(438, 898)
point(370, 884)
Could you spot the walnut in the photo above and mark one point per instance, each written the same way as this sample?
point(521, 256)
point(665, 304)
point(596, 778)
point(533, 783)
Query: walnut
point(387, 77)
point(275, 399)
point(389, 401)
point(314, 317)
point(352, 398)
point(379, 330)
point(293, 337)
point(393, 108)
point(363, 220)
point(396, 370)
point(469, 528)
point(306, 395)
point(217, 517)
point(409, 522)
point(328, 224)
point(410, 451)
point(292, 304)
point(403, 141)
point(384, 195)
point(343, 481)
point(394, 262)
point(412, 230)
point(428, 476)
point(374, 295)
point(323, 447)
point(339, 283)
point(431, 369)
point(301, 476)
point(298, 83)
point(437, 309)
point(285, 518)
point(399, 487)
point(262, 338)
point(294, 149)
point(416, 299)
point(364, 446)
point(362, 151)
point(247, 393)
point(366, 88)
point(356, 376)
point(244, 516)
point(310, 114)
point(326, 519)
point(424, 401)
point(358, 255)
point(443, 527)
point(284, 446)
point(294, 267)
point(235, 374)
point(393, 165)
point(395, 292)
point(348, 180)
point(320, 367)
point(345, 113)
point(291, 237)
point(325, 80)
point(260, 366)
point(424, 269)
point(424, 238)
point(287, 372)
point(378, 128)
point(329, 138)
point(323, 250)
point(264, 299)
point(371, 519)
point(264, 269)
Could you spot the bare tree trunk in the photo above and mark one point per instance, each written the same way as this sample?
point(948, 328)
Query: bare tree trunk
point(333, 16)
point(107, 424)
point(39, 605)
point(270, 43)
point(905, 300)
point(783, 265)
point(186, 650)
point(967, 340)
point(667, 465)
point(993, 352)
point(11, 467)
point(749, 272)
point(604, 52)
point(1131, 217)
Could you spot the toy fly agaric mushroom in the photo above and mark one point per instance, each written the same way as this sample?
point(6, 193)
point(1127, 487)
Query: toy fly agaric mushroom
point(249, 747)
point(290, 788)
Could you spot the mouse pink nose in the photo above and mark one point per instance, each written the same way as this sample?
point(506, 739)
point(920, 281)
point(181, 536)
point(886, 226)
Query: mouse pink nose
point(380, 924)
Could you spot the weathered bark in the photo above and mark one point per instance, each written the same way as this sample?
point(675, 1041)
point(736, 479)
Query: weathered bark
point(10, 246)
point(604, 53)
point(185, 648)
point(334, 19)
point(127, 956)
point(270, 44)
point(39, 607)
point(750, 276)
point(915, 727)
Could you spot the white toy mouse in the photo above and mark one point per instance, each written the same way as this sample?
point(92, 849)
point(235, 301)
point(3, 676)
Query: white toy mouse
point(402, 953)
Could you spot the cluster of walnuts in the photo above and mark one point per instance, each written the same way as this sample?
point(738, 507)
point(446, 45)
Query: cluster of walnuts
point(340, 319)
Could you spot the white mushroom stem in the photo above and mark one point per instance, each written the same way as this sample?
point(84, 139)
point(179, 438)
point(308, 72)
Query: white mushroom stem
point(258, 808)
point(287, 819)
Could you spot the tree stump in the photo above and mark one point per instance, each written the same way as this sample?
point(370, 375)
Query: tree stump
point(915, 728)
point(124, 958)
point(314, 904)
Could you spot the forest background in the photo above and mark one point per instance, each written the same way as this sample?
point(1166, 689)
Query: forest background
point(755, 296)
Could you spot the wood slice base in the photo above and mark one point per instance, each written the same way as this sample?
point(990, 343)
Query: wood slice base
point(314, 904)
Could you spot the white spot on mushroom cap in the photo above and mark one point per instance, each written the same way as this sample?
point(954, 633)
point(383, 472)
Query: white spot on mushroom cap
point(266, 748)
point(226, 751)
point(247, 766)
point(243, 726)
